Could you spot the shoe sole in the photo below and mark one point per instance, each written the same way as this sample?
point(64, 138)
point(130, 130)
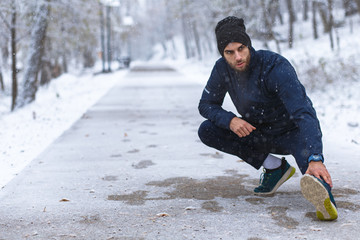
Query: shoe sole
point(317, 194)
point(288, 174)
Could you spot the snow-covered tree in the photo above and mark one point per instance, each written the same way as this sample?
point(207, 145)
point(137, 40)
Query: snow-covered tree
point(36, 50)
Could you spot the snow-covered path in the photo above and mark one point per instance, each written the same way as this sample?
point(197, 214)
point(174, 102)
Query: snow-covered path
point(132, 167)
point(26, 132)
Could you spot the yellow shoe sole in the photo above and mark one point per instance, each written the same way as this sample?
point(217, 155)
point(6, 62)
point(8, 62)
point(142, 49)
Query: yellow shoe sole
point(317, 194)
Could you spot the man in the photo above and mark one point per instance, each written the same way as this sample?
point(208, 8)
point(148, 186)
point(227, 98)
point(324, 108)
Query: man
point(277, 117)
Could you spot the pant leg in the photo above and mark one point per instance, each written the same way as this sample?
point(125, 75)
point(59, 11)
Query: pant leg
point(293, 143)
point(253, 149)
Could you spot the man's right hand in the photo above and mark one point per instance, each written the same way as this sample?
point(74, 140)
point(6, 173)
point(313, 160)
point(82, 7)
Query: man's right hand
point(241, 127)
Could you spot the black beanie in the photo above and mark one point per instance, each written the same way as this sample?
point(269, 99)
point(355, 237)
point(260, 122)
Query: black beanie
point(231, 29)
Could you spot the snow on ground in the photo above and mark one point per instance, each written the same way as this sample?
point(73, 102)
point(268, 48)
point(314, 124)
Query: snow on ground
point(26, 132)
point(331, 78)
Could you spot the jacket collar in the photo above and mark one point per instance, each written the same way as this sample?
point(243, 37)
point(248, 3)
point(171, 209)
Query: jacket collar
point(253, 58)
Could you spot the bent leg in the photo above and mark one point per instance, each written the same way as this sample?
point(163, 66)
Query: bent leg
point(252, 149)
point(293, 143)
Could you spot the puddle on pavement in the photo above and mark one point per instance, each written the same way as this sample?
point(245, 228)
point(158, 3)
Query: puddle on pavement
point(229, 187)
point(188, 188)
point(255, 201)
point(152, 146)
point(347, 205)
point(207, 189)
point(343, 192)
point(134, 151)
point(279, 214)
point(135, 198)
point(215, 155)
point(110, 178)
point(90, 219)
point(312, 216)
point(143, 164)
point(212, 206)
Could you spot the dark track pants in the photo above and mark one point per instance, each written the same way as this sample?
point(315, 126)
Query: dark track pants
point(254, 148)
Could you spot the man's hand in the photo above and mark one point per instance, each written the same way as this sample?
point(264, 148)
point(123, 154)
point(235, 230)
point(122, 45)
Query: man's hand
point(241, 127)
point(318, 169)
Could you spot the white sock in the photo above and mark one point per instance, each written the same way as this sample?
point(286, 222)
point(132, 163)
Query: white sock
point(272, 162)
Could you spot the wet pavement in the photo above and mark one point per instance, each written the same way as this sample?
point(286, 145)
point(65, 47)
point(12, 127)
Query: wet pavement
point(133, 168)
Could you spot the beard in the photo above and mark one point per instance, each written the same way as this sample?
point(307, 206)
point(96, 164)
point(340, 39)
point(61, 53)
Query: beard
point(240, 66)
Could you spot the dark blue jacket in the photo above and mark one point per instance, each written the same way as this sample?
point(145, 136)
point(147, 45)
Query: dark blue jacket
point(269, 96)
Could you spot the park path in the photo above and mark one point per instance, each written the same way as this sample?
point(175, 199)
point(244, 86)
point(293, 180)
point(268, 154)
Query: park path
point(133, 168)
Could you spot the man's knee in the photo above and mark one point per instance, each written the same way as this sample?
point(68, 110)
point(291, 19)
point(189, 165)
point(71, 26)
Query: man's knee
point(204, 131)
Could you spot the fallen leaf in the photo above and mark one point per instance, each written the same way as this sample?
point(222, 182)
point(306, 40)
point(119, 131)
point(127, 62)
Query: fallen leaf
point(162, 215)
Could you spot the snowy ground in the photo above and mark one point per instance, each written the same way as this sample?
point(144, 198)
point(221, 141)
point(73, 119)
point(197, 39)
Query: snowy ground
point(26, 132)
point(331, 77)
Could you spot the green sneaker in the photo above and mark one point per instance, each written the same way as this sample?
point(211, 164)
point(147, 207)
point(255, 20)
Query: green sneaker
point(318, 192)
point(271, 180)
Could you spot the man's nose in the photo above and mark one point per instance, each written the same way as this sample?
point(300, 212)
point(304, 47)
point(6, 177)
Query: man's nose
point(237, 55)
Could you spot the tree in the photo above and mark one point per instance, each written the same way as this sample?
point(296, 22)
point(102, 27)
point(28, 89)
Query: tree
point(351, 7)
point(314, 21)
point(331, 23)
point(102, 36)
point(268, 22)
point(1, 79)
point(37, 43)
point(13, 56)
point(291, 22)
point(358, 4)
point(305, 10)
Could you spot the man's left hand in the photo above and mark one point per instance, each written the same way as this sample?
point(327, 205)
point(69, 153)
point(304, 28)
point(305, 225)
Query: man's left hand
point(318, 169)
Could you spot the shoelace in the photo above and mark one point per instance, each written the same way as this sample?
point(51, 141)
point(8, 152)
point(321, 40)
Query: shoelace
point(264, 177)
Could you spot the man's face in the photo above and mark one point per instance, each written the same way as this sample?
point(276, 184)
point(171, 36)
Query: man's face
point(237, 56)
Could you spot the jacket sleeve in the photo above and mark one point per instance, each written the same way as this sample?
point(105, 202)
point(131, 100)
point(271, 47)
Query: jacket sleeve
point(284, 82)
point(210, 106)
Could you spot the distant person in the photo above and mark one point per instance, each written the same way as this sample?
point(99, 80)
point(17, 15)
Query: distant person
point(276, 117)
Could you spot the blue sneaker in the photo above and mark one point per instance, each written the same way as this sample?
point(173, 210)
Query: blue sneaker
point(271, 180)
point(318, 192)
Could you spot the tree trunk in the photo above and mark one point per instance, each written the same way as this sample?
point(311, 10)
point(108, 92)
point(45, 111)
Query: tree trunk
point(331, 24)
point(2, 86)
point(351, 7)
point(89, 60)
point(274, 11)
point(358, 4)
point(64, 63)
point(185, 36)
point(314, 22)
point(108, 35)
point(1, 81)
point(269, 34)
point(14, 92)
point(305, 10)
point(102, 37)
point(291, 22)
point(278, 10)
point(324, 11)
point(37, 44)
point(45, 73)
point(197, 40)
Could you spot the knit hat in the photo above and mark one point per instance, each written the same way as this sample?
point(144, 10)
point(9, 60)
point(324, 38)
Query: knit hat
point(231, 29)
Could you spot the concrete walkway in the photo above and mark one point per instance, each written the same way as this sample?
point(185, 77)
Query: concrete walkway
point(133, 168)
